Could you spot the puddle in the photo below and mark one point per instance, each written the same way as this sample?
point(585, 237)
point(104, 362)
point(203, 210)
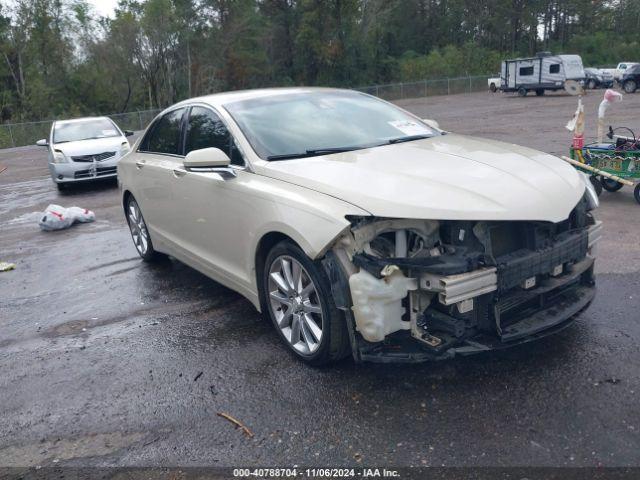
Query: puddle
point(29, 193)
point(95, 445)
point(31, 217)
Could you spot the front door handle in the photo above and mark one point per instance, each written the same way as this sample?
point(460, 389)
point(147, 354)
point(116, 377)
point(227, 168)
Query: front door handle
point(139, 165)
point(179, 173)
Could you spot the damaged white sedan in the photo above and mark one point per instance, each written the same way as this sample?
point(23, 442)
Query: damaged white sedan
point(359, 228)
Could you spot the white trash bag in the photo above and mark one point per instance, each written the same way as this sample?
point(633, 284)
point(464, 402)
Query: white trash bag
point(56, 217)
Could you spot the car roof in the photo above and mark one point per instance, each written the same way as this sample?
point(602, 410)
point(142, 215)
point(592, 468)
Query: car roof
point(220, 99)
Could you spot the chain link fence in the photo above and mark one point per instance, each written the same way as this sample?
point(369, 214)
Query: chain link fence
point(20, 134)
point(428, 88)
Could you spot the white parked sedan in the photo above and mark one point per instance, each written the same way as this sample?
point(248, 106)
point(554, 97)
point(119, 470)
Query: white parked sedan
point(359, 228)
point(84, 149)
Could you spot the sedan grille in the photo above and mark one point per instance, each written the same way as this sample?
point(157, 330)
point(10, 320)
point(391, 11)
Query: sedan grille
point(99, 172)
point(98, 157)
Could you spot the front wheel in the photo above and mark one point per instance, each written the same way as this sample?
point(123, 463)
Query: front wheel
point(610, 185)
point(592, 84)
point(139, 231)
point(298, 298)
point(493, 88)
point(540, 92)
point(636, 192)
point(630, 86)
point(522, 92)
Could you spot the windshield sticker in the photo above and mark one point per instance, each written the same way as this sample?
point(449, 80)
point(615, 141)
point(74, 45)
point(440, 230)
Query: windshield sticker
point(410, 128)
point(108, 132)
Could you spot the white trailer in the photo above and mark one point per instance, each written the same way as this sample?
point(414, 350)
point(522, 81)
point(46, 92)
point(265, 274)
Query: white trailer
point(540, 73)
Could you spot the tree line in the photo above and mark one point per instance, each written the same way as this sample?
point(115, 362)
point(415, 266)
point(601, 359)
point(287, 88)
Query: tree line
point(58, 58)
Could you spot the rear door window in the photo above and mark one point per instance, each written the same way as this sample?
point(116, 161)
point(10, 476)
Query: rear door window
point(165, 135)
point(206, 130)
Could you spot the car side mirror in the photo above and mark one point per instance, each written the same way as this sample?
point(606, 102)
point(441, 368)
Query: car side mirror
point(208, 160)
point(128, 133)
point(42, 142)
point(431, 123)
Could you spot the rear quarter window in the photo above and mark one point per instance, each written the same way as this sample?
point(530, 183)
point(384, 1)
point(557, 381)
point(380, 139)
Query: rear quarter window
point(164, 136)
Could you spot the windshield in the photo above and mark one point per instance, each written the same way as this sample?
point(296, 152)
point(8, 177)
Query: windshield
point(316, 123)
point(84, 130)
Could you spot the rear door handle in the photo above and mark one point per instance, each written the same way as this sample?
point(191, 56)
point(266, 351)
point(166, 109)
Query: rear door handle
point(179, 173)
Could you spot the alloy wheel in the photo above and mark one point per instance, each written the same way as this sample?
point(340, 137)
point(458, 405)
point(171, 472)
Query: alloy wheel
point(295, 304)
point(138, 228)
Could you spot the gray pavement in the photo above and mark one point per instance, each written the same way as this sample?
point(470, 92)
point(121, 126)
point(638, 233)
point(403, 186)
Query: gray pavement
point(101, 354)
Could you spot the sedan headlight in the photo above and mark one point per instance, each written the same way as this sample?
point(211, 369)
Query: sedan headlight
point(124, 148)
point(59, 157)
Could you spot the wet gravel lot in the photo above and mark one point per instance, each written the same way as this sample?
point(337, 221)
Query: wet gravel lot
point(107, 361)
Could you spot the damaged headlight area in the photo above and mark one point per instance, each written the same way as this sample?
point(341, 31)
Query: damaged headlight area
point(414, 290)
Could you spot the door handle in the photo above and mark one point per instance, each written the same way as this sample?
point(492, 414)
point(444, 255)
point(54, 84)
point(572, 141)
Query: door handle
point(139, 165)
point(179, 173)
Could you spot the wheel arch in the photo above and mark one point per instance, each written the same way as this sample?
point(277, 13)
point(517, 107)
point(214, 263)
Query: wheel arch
point(264, 245)
point(126, 194)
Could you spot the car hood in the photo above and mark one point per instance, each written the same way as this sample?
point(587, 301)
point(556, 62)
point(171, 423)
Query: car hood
point(90, 147)
point(448, 177)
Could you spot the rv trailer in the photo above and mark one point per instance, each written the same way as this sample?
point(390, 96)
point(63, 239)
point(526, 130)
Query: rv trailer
point(542, 72)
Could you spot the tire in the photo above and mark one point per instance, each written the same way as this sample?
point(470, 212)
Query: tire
point(139, 232)
point(493, 88)
point(630, 86)
point(540, 92)
point(591, 85)
point(61, 187)
point(299, 317)
point(610, 185)
point(522, 92)
point(597, 185)
point(636, 192)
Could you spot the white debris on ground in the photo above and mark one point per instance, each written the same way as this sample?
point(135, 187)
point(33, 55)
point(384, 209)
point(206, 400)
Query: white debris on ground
point(56, 217)
point(6, 266)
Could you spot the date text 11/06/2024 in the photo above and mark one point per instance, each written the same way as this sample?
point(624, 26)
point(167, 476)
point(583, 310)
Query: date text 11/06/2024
point(316, 473)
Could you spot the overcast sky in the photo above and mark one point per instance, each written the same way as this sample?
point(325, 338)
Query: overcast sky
point(104, 7)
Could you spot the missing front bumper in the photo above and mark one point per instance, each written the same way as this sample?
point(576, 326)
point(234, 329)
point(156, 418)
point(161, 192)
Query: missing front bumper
point(545, 323)
point(521, 317)
point(457, 306)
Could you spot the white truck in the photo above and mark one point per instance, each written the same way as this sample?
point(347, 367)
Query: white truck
point(621, 68)
point(494, 83)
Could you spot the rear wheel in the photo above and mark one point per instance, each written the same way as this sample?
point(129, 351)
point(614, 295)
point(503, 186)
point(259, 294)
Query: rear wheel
point(597, 185)
point(540, 92)
point(493, 87)
point(139, 231)
point(591, 84)
point(298, 298)
point(610, 185)
point(522, 92)
point(636, 192)
point(630, 86)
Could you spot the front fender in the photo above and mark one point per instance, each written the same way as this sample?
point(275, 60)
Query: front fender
point(311, 219)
